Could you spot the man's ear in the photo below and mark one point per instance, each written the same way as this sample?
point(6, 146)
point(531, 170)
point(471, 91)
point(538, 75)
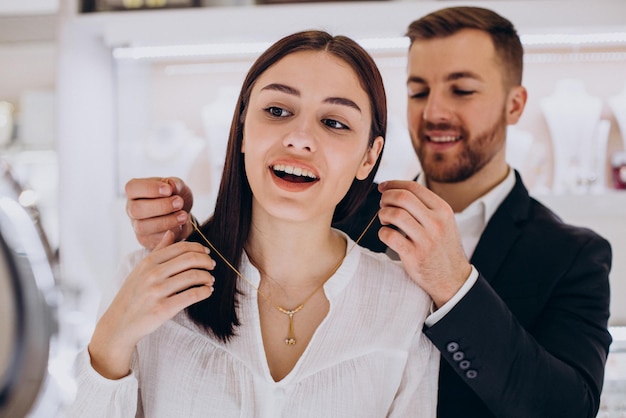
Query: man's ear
point(370, 158)
point(515, 104)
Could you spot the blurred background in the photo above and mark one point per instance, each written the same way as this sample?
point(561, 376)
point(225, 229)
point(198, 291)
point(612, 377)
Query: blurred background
point(95, 92)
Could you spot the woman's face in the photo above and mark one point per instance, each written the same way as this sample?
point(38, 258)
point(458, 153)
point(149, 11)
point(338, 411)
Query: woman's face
point(306, 136)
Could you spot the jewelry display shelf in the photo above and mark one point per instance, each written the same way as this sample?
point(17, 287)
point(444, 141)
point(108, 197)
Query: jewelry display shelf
point(242, 22)
point(605, 213)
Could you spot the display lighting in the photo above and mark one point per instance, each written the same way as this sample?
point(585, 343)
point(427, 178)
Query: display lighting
point(371, 44)
point(384, 43)
point(546, 58)
point(573, 39)
point(189, 51)
point(230, 49)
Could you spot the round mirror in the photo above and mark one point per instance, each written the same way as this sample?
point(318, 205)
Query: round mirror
point(27, 292)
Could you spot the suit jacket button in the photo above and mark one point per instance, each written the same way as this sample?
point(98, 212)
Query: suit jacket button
point(471, 374)
point(452, 347)
point(464, 365)
point(458, 356)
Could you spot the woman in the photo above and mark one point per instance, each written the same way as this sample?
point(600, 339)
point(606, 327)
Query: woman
point(299, 321)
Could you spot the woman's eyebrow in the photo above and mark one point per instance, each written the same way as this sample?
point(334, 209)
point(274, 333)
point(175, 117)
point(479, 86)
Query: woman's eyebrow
point(343, 101)
point(295, 92)
point(282, 88)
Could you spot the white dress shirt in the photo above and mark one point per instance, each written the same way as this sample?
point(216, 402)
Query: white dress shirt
point(472, 223)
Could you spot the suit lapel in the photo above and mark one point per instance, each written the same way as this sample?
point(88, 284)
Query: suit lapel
point(502, 231)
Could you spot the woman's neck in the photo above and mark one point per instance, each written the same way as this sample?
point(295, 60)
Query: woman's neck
point(294, 253)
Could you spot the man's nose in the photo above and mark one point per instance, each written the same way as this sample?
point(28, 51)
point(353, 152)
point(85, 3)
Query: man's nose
point(437, 108)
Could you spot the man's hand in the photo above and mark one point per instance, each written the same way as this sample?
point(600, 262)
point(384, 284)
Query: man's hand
point(155, 205)
point(428, 241)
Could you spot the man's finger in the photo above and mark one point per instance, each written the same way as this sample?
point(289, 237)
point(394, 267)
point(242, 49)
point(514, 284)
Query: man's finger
point(140, 209)
point(149, 188)
point(426, 196)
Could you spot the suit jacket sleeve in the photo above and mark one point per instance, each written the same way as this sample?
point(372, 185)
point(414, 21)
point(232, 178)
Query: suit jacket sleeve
point(530, 338)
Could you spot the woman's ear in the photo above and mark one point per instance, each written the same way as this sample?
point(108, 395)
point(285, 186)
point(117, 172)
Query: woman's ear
point(370, 158)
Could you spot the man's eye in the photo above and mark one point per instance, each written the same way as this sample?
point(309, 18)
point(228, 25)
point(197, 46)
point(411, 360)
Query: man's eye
point(418, 94)
point(460, 92)
point(331, 123)
point(278, 112)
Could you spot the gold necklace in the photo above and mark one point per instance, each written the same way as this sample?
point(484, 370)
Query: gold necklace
point(291, 335)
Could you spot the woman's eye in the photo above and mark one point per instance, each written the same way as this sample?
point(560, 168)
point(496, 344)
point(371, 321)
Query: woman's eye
point(331, 123)
point(278, 112)
point(460, 92)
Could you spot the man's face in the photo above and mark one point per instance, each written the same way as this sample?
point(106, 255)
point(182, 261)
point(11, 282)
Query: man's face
point(458, 108)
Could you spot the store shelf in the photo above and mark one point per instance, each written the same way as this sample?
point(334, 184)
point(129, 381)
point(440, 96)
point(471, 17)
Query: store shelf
point(353, 18)
point(605, 213)
point(608, 204)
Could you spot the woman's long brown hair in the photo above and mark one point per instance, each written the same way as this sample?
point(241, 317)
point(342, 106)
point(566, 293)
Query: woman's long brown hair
point(228, 227)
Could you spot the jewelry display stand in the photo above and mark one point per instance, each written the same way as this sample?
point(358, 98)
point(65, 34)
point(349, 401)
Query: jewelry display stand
point(168, 149)
point(216, 119)
point(572, 116)
point(530, 157)
point(599, 153)
point(617, 104)
point(6, 123)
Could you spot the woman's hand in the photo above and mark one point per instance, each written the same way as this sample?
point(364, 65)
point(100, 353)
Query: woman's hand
point(171, 278)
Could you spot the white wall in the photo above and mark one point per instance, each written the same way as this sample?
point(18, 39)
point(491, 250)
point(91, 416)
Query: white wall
point(22, 7)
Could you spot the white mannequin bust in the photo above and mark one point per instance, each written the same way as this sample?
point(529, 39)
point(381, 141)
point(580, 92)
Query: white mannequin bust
point(6, 123)
point(617, 104)
point(216, 118)
point(572, 116)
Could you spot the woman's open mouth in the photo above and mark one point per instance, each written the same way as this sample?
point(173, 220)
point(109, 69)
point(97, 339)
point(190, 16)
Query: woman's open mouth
point(294, 174)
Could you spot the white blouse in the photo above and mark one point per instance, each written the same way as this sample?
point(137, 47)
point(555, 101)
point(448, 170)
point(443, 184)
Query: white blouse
point(368, 358)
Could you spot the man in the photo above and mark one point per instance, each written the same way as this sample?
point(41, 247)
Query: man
point(521, 300)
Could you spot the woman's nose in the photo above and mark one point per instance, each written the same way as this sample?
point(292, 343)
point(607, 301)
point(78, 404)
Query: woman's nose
point(301, 138)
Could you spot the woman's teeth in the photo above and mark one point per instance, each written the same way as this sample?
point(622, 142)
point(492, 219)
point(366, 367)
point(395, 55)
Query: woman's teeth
point(281, 170)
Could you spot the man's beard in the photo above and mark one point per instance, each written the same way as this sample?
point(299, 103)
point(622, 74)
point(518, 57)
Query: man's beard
point(476, 153)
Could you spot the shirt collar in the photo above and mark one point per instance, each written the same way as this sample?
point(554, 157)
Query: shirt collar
point(491, 200)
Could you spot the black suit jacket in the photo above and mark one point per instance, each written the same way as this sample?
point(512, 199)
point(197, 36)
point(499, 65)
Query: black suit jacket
point(530, 338)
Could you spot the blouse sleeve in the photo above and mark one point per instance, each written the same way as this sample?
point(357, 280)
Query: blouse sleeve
point(417, 393)
point(98, 396)
point(125, 266)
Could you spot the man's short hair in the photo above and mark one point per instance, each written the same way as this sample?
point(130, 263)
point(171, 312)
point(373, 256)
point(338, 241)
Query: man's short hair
point(448, 21)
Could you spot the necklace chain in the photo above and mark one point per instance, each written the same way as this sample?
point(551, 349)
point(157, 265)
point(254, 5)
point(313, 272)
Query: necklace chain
point(291, 336)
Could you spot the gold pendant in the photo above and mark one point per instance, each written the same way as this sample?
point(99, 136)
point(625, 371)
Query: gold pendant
point(291, 335)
